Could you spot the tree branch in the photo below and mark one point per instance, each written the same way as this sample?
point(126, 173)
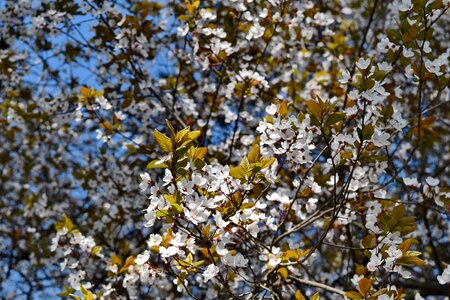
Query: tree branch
point(318, 285)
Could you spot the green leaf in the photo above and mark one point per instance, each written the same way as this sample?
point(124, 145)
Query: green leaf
point(83, 290)
point(183, 18)
point(106, 125)
point(131, 148)
point(155, 164)
point(199, 164)
point(89, 296)
point(180, 152)
point(368, 84)
point(299, 295)
point(283, 108)
point(283, 272)
point(267, 162)
point(96, 250)
point(67, 291)
point(67, 222)
point(193, 135)
point(164, 142)
point(245, 164)
point(175, 201)
point(162, 213)
point(369, 241)
point(116, 260)
point(394, 35)
point(367, 132)
point(237, 172)
point(198, 263)
point(334, 118)
point(254, 154)
point(247, 205)
point(181, 164)
point(199, 152)
point(388, 112)
point(315, 121)
point(379, 292)
point(181, 136)
point(315, 109)
point(410, 260)
point(316, 296)
point(413, 253)
point(171, 129)
point(405, 245)
point(255, 168)
point(398, 212)
point(354, 295)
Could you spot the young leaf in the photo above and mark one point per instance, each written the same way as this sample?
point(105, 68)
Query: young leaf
point(299, 295)
point(171, 129)
point(354, 295)
point(164, 142)
point(180, 136)
point(334, 118)
point(283, 272)
point(283, 108)
point(96, 250)
point(315, 109)
point(316, 296)
point(193, 135)
point(237, 172)
point(254, 154)
point(199, 152)
point(364, 286)
point(156, 164)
